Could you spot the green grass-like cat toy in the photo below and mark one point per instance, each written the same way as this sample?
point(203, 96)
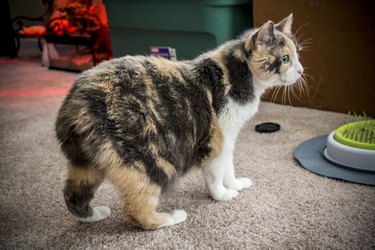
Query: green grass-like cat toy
point(357, 134)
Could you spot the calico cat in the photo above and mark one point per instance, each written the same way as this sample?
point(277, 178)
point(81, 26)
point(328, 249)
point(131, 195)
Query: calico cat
point(143, 121)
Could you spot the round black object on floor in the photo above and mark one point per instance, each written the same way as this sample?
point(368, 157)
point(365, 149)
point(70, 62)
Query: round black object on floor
point(267, 127)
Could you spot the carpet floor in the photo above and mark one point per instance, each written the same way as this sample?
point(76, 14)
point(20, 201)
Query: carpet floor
point(288, 207)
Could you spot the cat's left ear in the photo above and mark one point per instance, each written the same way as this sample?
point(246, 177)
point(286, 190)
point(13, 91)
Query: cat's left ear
point(265, 35)
point(285, 25)
point(262, 38)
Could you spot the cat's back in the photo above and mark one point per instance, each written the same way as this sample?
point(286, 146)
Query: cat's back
point(123, 87)
point(128, 80)
point(132, 70)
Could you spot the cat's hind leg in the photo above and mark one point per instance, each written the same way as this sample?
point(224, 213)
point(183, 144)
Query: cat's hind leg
point(141, 196)
point(79, 190)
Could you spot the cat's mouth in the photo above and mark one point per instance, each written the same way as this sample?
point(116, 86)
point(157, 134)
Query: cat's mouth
point(287, 83)
point(292, 81)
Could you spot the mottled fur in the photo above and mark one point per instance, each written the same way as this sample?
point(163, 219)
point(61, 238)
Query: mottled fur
point(143, 121)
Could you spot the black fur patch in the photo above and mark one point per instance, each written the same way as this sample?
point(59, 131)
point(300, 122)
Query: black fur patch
point(240, 77)
point(78, 199)
point(211, 76)
point(73, 150)
point(275, 66)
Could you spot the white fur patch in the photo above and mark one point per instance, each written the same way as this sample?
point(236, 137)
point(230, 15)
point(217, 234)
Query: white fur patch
point(234, 116)
point(219, 173)
point(99, 213)
point(177, 216)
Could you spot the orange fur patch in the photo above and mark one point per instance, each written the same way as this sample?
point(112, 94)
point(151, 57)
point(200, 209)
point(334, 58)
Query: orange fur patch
point(140, 196)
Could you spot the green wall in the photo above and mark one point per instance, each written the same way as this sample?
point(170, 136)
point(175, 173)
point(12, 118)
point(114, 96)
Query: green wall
point(30, 8)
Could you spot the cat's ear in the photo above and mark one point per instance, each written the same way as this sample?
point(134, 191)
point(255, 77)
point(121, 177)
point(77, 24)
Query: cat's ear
point(285, 25)
point(265, 34)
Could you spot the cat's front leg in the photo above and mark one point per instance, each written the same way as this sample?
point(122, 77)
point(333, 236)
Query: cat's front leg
point(230, 181)
point(229, 178)
point(213, 173)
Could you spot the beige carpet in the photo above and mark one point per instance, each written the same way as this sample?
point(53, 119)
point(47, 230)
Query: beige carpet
point(287, 208)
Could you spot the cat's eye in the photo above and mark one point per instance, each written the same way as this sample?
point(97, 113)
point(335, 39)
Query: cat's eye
point(284, 59)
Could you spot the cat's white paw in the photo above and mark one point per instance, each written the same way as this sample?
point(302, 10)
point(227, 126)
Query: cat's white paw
point(238, 184)
point(99, 213)
point(179, 215)
point(176, 216)
point(224, 194)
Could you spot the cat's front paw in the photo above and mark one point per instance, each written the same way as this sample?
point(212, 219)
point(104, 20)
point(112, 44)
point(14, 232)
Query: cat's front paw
point(238, 184)
point(224, 194)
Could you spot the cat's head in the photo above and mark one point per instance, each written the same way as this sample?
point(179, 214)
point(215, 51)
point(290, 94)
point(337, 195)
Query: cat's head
point(274, 54)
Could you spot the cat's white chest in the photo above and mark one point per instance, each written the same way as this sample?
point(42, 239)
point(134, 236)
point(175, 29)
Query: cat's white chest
point(234, 116)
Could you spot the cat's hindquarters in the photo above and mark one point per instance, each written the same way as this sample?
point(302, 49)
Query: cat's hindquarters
point(139, 193)
point(140, 196)
point(80, 186)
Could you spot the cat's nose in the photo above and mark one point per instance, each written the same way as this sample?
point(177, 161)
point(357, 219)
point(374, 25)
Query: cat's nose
point(299, 68)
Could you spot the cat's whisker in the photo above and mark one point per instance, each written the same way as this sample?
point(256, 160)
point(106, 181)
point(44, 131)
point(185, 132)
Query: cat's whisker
point(286, 89)
point(273, 98)
point(306, 41)
point(274, 89)
point(268, 92)
point(304, 77)
point(287, 95)
point(289, 89)
point(275, 93)
point(298, 86)
point(294, 91)
point(304, 45)
point(284, 96)
point(279, 86)
point(282, 100)
point(307, 75)
point(304, 85)
point(299, 28)
point(303, 88)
